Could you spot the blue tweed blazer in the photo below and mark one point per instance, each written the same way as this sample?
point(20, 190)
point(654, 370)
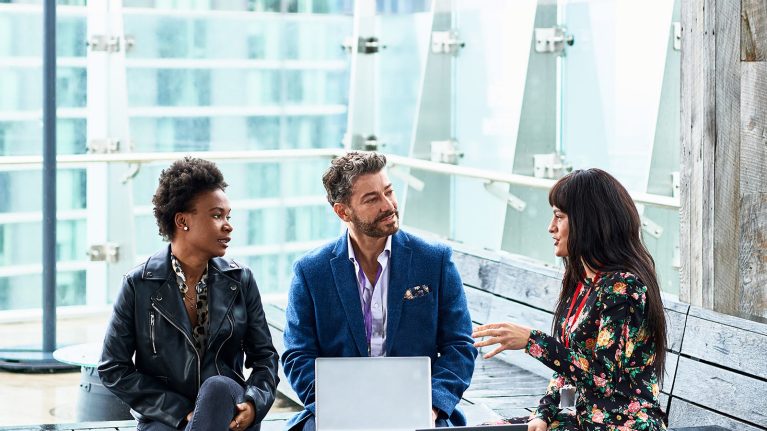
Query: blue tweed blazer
point(324, 318)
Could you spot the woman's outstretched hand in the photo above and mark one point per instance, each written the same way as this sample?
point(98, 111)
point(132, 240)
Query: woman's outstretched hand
point(509, 336)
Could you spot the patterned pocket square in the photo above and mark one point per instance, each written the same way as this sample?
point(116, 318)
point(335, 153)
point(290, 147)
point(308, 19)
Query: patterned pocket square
point(417, 292)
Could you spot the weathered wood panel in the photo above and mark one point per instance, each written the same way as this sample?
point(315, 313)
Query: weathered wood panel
point(725, 345)
point(675, 322)
point(724, 177)
point(753, 255)
point(683, 414)
point(753, 30)
point(488, 308)
point(670, 373)
point(737, 322)
point(698, 128)
point(721, 390)
point(476, 271)
point(753, 128)
point(537, 286)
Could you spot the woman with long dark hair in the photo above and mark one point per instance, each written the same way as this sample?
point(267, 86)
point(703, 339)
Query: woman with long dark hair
point(608, 342)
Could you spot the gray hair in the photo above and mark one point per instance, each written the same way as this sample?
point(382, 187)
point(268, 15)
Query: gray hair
point(340, 176)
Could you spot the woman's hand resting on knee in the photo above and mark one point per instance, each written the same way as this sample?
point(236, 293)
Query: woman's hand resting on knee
point(537, 424)
point(246, 414)
point(509, 335)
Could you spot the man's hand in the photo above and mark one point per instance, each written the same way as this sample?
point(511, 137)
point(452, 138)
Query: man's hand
point(434, 415)
point(189, 416)
point(246, 414)
point(537, 424)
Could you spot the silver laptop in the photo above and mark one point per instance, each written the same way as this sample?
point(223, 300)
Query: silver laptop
point(381, 393)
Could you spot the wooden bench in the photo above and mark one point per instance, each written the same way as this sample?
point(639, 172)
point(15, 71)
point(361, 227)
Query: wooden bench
point(716, 369)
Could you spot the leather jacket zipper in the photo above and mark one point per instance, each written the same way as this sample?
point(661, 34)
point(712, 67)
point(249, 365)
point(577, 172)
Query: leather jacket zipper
point(187, 339)
point(151, 331)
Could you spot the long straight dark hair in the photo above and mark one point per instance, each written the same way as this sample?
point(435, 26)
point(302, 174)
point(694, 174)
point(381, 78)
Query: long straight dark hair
point(604, 233)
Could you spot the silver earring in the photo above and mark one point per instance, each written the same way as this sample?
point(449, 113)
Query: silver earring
point(186, 227)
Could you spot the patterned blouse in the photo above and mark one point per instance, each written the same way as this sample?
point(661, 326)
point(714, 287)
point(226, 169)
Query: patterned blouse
point(609, 361)
point(200, 331)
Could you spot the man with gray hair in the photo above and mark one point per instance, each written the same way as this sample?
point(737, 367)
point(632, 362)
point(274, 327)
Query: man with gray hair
point(377, 291)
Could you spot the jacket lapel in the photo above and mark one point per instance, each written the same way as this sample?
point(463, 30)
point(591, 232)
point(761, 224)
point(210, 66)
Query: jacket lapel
point(346, 285)
point(222, 291)
point(167, 300)
point(399, 281)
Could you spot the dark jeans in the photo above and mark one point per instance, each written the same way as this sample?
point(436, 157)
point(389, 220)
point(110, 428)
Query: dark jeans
point(309, 424)
point(214, 409)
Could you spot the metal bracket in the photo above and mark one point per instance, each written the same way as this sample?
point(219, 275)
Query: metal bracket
point(446, 42)
point(677, 36)
point(511, 200)
point(445, 152)
point(550, 165)
point(369, 143)
point(109, 44)
point(675, 184)
point(552, 40)
point(365, 45)
point(653, 229)
point(103, 146)
point(108, 252)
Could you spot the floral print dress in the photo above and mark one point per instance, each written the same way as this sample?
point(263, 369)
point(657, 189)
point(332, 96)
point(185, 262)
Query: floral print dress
point(609, 360)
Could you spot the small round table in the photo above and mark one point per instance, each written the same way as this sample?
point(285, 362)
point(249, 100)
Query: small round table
point(95, 402)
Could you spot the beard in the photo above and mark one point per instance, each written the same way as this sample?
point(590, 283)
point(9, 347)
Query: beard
point(372, 230)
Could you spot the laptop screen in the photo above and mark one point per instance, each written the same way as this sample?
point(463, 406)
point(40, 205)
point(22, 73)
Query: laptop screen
point(380, 393)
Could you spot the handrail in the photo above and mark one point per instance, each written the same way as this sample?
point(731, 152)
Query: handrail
point(263, 155)
point(514, 179)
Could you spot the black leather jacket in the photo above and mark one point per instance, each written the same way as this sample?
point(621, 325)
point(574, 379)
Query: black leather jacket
point(149, 319)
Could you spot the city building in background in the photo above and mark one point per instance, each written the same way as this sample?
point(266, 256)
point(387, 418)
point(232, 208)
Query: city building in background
point(524, 90)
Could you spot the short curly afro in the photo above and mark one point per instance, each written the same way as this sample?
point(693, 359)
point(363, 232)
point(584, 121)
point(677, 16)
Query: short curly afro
point(179, 185)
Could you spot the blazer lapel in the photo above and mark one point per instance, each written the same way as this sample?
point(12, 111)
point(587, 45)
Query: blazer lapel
point(399, 281)
point(346, 284)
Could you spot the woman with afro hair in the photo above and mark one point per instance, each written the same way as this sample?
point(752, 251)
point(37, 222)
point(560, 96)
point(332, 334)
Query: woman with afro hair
point(187, 319)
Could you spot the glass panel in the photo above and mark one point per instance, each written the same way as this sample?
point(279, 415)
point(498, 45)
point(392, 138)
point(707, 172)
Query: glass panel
point(392, 78)
point(15, 293)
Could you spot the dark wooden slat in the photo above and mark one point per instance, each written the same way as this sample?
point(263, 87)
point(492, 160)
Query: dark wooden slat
point(722, 390)
point(753, 30)
point(684, 414)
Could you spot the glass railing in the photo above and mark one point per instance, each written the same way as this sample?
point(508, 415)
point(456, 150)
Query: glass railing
point(269, 89)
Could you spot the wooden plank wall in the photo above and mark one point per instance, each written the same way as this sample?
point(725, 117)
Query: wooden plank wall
point(724, 156)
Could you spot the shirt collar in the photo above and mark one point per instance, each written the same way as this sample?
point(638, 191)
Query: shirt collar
point(182, 277)
point(385, 254)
